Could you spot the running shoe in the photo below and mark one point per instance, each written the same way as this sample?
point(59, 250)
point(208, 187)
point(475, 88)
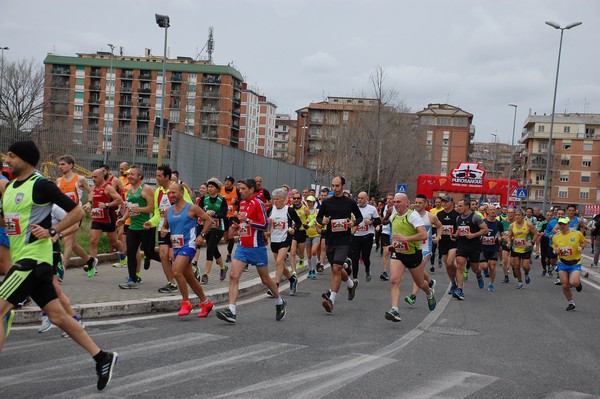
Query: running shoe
point(384, 276)
point(223, 273)
point(205, 309)
point(480, 282)
point(505, 281)
point(280, 311)
point(431, 302)
point(439, 263)
point(352, 291)
point(326, 294)
point(90, 265)
point(228, 258)
point(486, 273)
point(320, 268)
point(186, 308)
point(121, 263)
point(491, 288)
point(392, 315)
point(570, 307)
point(550, 273)
point(170, 287)
point(527, 279)
point(146, 263)
point(519, 285)
point(544, 273)
point(432, 269)
point(410, 299)
point(46, 324)
point(204, 279)
point(453, 288)
point(300, 264)
point(432, 283)
point(579, 287)
point(557, 281)
point(91, 272)
point(270, 294)
point(466, 275)
point(196, 272)
point(368, 277)
point(458, 294)
point(328, 305)
point(60, 272)
point(226, 315)
point(348, 266)
point(8, 319)
point(130, 285)
point(105, 369)
point(293, 284)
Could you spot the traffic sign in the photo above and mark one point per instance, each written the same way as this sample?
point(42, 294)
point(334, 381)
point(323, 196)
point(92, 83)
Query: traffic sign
point(519, 192)
point(401, 188)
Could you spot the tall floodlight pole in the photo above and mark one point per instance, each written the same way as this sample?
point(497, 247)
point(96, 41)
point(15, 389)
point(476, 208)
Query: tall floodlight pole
point(550, 145)
point(512, 145)
point(163, 21)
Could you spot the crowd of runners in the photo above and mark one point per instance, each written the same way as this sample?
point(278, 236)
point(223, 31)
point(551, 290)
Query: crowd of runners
point(303, 229)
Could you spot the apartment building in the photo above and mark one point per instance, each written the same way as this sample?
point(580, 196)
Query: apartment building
point(449, 134)
point(285, 137)
point(494, 158)
point(257, 121)
point(103, 98)
point(575, 158)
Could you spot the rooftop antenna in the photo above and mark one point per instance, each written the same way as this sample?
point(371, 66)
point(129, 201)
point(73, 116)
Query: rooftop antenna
point(209, 46)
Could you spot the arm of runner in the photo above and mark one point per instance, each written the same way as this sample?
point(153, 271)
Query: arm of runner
point(116, 198)
point(197, 212)
point(83, 183)
point(358, 217)
point(155, 219)
point(148, 195)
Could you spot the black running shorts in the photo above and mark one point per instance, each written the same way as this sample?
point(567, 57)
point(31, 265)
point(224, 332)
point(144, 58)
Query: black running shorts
point(26, 278)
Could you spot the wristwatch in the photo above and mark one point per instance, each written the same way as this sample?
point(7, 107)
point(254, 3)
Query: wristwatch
point(52, 231)
point(203, 235)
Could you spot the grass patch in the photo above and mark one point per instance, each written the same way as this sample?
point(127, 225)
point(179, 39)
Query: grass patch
point(83, 237)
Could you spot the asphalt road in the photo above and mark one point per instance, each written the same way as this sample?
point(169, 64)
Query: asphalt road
point(507, 344)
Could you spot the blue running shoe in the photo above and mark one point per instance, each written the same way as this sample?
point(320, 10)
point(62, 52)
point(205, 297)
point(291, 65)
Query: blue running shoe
point(452, 289)
point(480, 282)
point(458, 294)
point(527, 279)
point(491, 288)
point(8, 319)
point(486, 273)
point(519, 286)
point(505, 280)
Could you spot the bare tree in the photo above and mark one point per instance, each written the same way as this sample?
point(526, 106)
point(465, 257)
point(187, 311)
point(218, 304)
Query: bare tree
point(21, 99)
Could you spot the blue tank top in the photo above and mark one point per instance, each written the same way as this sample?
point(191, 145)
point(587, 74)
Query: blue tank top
point(182, 227)
point(489, 241)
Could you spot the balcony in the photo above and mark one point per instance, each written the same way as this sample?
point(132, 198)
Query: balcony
point(95, 73)
point(175, 93)
point(209, 121)
point(537, 165)
point(235, 126)
point(176, 77)
point(59, 97)
point(125, 115)
point(59, 84)
point(210, 94)
point(210, 109)
point(210, 80)
point(127, 74)
point(94, 115)
point(236, 112)
point(237, 85)
point(316, 121)
point(61, 71)
point(126, 89)
point(145, 75)
point(95, 87)
point(125, 103)
point(143, 116)
point(94, 100)
point(144, 104)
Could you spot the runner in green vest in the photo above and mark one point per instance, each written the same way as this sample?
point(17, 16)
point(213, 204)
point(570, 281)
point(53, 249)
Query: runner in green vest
point(216, 207)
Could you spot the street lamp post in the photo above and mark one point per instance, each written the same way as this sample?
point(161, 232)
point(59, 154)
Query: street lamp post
point(550, 145)
point(512, 145)
point(110, 117)
point(163, 21)
point(495, 154)
point(2, 70)
point(302, 146)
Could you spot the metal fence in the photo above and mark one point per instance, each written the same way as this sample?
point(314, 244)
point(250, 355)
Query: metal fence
point(195, 158)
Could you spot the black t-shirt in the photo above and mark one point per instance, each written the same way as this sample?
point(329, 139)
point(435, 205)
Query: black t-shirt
point(448, 221)
point(339, 210)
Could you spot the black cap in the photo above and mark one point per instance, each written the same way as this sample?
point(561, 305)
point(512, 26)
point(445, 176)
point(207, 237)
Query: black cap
point(447, 198)
point(27, 151)
point(231, 179)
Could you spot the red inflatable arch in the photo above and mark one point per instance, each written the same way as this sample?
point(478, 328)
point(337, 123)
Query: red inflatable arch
point(467, 177)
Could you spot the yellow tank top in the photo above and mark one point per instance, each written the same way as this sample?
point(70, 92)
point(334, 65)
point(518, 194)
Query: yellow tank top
point(521, 238)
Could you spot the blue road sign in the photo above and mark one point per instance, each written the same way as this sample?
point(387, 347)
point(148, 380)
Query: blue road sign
point(401, 188)
point(521, 193)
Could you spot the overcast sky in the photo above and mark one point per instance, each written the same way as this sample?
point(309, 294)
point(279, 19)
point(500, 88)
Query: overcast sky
point(478, 55)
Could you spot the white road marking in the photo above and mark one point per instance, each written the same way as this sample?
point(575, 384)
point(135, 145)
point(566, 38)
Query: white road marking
point(455, 384)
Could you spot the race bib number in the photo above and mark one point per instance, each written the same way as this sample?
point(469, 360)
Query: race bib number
point(242, 216)
point(566, 251)
point(176, 241)
point(520, 242)
point(131, 213)
point(229, 208)
point(339, 225)
point(278, 226)
point(97, 213)
point(216, 223)
point(363, 228)
point(244, 230)
point(73, 197)
point(13, 224)
point(505, 234)
point(447, 230)
point(400, 246)
point(463, 230)
point(488, 240)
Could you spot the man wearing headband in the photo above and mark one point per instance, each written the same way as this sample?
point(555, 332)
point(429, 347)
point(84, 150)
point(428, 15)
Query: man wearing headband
point(568, 245)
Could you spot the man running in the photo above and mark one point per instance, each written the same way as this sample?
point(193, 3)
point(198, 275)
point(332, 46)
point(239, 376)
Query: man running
point(232, 196)
point(251, 223)
point(447, 243)
point(568, 245)
point(434, 246)
point(490, 246)
point(386, 233)
point(521, 235)
point(180, 224)
point(28, 225)
point(299, 237)
point(362, 241)
point(336, 213)
point(504, 247)
point(405, 253)
point(262, 193)
point(216, 207)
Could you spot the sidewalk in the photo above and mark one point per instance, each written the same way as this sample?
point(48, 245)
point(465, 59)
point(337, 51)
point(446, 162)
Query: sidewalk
point(100, 296)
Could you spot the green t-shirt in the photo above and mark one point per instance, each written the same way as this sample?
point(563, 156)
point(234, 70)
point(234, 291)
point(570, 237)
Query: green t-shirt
point(136, 198)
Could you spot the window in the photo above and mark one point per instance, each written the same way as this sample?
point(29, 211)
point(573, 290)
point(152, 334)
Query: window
point(567, 129)
point(584, 195)
point(346, 116)
point(444, 121)
point(540, 178)
point(429, 137)
point(562, 193)
point(589, 132)
point(564, 162)
point(540, 128)
point(585, 179)
point(446, 135)
point(542, 146)
point(566, 146)
point(586, 163)
point(564, 177)
point(588, 146)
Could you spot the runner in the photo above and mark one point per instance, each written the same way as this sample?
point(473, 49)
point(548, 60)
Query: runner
point(447, 243)
point(232, 196)
point(202, 191)
point(123, 172)
point(105, 201)
point(595, 239)
point(175, 178)
point(180, 225)
point(29, 229)
point(140, 206)
point(521, 235)
point(216, 207)
point(544, 246)
point(434, 246)
point(386, 232)
point(299, 237)
point(551, 229)
point(313, 238)
point(568, 245)
point(470, 227)
point(362, 241)
point(262, 193)
point(5, 262)
point(506, 222)
point(282, 219)
point(73, 185)
point(323, 195)
point(336, 213)
point(490, 246)
point(251, 223)
point(430, 221)
point(405, 253)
